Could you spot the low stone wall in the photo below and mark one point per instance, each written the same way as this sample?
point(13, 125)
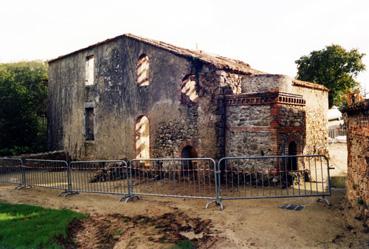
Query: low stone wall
point(357, 120)
point(49, 155)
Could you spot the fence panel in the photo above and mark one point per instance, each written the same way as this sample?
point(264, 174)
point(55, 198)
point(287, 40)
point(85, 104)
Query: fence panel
point(46, 173)
point(11, 171)
point(334, 132)
point(102, 176)
point(232, 178)
point(273, 177)
point(174, 177)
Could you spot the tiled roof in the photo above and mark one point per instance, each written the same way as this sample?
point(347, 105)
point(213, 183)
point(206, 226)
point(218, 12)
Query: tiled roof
point(216, 60)
point(219, 62)
point(309, 85)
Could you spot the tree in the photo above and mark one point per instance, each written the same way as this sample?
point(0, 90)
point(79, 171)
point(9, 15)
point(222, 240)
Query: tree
point(333, 67)
point(23, 96)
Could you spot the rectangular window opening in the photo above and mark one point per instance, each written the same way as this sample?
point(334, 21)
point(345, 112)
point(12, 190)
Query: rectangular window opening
point(89, 124)
point(90, 67)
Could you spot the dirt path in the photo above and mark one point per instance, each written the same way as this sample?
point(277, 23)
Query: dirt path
point(243, 224)
point(111, 231)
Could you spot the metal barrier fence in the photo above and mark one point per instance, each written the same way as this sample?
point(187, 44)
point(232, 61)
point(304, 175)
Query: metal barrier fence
point(273, 177)
point(103, 176)
point(46, 173)
point(334, 132)
point(174, 177)
point(11, 171)
point(200, 178)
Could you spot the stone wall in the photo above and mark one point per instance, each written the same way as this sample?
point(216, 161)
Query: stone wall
point(290, 123)
point(51, 155)
point(248, 130)
point(357, 121)
point(253, 83)
point(265, 83)
point(264, 123)
point(185, 103)
point(175, 120)
point(316, 119)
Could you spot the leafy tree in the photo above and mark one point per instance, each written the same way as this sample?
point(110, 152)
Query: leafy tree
point(23, 96)
point(333, 67)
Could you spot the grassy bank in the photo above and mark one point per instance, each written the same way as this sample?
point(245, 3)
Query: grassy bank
point(32, 227)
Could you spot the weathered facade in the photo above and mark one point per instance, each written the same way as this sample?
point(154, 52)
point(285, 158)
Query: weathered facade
point(130, 97)
point(357, 123)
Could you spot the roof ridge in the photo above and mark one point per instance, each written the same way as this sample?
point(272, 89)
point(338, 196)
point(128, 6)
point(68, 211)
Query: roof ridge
point(308, 84)
point(217, 60)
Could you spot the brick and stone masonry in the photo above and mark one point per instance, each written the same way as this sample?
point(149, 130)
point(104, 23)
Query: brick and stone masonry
point(194, 104)
point(357, 122)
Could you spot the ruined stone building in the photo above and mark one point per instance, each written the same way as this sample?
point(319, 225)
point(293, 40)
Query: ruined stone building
point(130, 97)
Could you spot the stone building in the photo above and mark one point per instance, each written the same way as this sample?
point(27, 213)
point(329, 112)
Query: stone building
point(130, 97)
point(357, 123)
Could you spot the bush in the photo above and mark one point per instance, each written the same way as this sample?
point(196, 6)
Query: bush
point(23, 97)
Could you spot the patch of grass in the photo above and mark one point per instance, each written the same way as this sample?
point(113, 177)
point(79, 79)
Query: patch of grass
point(118, 232)
point(184, 244)
point(360, 201)
point(32, 227)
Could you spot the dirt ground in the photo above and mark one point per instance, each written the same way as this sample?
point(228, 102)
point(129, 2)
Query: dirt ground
point(160, 222)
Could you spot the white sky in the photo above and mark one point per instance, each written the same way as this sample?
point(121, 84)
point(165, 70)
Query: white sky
point(268, 34)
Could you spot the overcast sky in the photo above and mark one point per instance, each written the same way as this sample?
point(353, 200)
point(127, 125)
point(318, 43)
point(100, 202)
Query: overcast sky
point(268, 34)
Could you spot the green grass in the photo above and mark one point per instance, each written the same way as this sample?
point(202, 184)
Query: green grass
point(184, 244)
point(32, 227)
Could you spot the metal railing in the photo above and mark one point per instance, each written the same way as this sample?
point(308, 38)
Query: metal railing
point(334, 132)
point(273, 177)
point(46, 173)
point(174, 177)
point(11, 171)
point(231, 178)
point(102, 176)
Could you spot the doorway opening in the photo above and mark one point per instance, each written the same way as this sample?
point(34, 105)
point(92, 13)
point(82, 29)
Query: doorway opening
point(188, 167)
point(292, 161)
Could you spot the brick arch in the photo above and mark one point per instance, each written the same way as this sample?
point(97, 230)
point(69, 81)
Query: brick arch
point(188, 142)
point(286, 139)
point(189, 151)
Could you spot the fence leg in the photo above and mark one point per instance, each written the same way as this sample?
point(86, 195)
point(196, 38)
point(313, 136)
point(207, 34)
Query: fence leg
point(324, 199)
point(130, 196)
point(69, 191)
point(23, 183)
point(218, 200)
